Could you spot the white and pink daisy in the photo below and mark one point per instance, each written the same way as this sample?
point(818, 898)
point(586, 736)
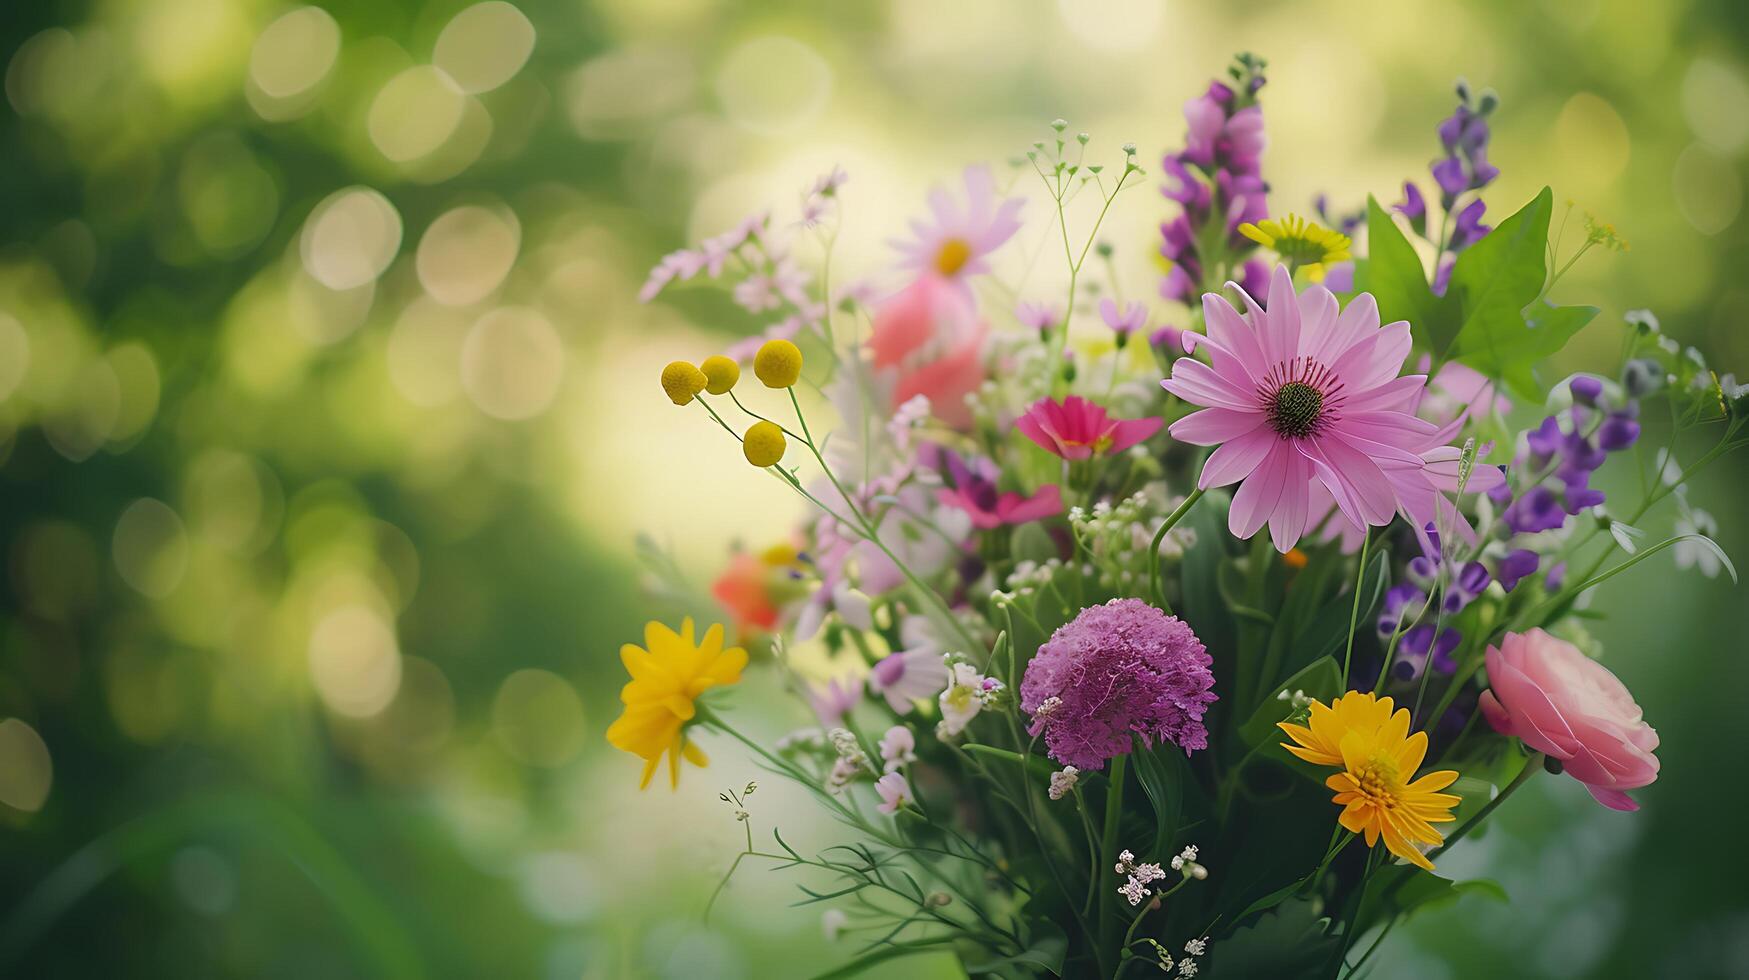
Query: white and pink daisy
point(955, 242)
point(907, 677)
point(1299, 393)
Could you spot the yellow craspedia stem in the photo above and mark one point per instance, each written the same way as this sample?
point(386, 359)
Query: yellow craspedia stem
point(778, 364)
point(763, 445)
point(682, 382)
point(668, 673)
point(720, 374)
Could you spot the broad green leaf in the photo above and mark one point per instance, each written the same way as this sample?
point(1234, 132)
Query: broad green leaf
point(1512, 354)
point(1288, 943)
point(1403, 889)
point(1319, 679)
point(1396, 280)
point(1165, 778)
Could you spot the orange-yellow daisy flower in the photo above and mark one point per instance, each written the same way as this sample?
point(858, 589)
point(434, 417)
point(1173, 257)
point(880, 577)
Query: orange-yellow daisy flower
point(1320, 739)
point(1379, 800)
point(669, 672)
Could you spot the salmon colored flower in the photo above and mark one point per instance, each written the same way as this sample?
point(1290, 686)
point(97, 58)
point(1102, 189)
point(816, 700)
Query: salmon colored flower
point(1561, 702)
point(929, 340)
point(669, 672)
point(1076, 428)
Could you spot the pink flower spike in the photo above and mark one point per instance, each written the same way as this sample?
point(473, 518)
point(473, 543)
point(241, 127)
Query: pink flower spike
point(1299, 393)
point(1076, 428)
point(956, 242)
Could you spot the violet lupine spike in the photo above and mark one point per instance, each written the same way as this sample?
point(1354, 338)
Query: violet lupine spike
point(1217, 177)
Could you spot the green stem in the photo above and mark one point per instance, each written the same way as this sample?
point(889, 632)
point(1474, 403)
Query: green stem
point(1354, 613)
point(1154, 584)
point(1107, 924)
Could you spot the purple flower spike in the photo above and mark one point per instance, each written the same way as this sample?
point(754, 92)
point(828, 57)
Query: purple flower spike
point(1121, 670)
point(1585, 389)
point(1414, 207)
point(1516, 566)
point(1544, 442)
point(1469, 228)
point(1538, 510)
point(1618, 432)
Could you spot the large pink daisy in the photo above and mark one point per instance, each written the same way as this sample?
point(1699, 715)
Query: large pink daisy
point(955, 242)
point(1299, 393)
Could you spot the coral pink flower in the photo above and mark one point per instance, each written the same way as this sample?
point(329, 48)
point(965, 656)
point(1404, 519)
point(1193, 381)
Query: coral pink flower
point(1005, 508)
point(1076, 428)
point(1299, 393)
point(955, 243)
point(929, 340)
point(1559, 701)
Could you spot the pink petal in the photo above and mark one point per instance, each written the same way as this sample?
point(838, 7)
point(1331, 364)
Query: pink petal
point(1213, 426)
point(1047, 502)
point(1227, 329)
point(1358, 320)
point(1615, 799)
point(1131, 431)
point(1318, 310)
point(1261, 492)
point(1280, 326)
point(1197, 383)
point(1238, 458)
point(1288, 522)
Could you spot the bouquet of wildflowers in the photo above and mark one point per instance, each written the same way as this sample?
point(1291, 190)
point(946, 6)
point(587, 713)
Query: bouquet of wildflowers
point(1181, 634)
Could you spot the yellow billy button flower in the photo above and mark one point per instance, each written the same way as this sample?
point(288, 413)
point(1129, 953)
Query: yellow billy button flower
point(682, 382)
point(1301, 244)
point(1378, 758)
point(763, 445)
point(669, 672)
point(720, 374)
point(778, 363)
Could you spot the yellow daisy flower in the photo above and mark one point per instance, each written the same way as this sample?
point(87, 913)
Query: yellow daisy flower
point(1359, 733)
point(669, 672)
point(1300, 243)
point(1379, 800)
point(1320, 739)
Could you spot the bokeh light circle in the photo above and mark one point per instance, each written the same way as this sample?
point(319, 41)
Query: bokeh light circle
point(483, 46)
point(774, 84)
point(355, 662)
point(467, 252)
point(150, 547)
point(26, 771)
point(295, 53)
point(414, 113)
point(538, 718)
point(350, 238)
point(512, 363)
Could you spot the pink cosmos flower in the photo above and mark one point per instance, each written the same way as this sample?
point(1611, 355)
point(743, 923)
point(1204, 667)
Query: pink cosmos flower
point(1299, 393)
point(1076, 428)
point(1561, 702)
point(1003, 508)
point(956, 243)
point(1038, 316)
point(894, 791)
point(929, 340)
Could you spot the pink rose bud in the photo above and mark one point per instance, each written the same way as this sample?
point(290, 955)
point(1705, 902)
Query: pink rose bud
point(1562, 703)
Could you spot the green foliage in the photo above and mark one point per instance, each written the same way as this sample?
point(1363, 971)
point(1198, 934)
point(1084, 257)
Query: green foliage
point(1396, 280)
point(1288, 943)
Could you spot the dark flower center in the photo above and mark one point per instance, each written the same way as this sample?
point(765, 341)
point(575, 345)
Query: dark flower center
point(1296, 409)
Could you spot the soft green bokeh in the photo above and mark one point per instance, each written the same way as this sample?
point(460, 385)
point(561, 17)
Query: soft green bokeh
point(328, 417)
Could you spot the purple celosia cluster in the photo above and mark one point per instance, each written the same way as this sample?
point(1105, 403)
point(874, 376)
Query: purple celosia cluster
point(1554, 468)
point(1119, 670)
point(1217, 180)
point(1462, 168)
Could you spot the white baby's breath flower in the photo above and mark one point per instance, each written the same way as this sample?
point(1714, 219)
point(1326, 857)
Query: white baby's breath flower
point(1063, 781)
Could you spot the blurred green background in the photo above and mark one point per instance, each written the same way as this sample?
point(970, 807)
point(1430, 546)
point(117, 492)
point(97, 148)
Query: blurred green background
point(328, 419)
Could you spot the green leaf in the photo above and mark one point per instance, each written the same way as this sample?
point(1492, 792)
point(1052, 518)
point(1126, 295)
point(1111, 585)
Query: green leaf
point(1164, 777)
point(1403, 889)
point(1321, 679)
point(1327, 634)
point(1493, 283)
point(1396, 280)
point(1289, 943)
point(1047, 947)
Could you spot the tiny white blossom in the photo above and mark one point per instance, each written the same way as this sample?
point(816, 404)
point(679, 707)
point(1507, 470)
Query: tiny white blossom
point(1064, 781)
point(1196, 947)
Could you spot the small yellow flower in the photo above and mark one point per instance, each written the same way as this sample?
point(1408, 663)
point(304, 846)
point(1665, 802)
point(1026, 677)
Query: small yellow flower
point(1378, 756)
point(763, 445)
point(669, 672)
point(1300, 243)
point(1320, 739)
point(682, 382)
point(778, 363)
point(720, 374)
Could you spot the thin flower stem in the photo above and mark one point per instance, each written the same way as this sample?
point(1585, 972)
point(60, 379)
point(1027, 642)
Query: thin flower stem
point(1531, 766)
point(1354, 613)
point(1154, 585)
point(1108, 853)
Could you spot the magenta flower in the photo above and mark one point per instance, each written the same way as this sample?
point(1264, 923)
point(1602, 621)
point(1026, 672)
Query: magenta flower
point(1119, 670)
point(1076, 428)
point(994, 510)
point(954, 242)
point(1299, 393)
